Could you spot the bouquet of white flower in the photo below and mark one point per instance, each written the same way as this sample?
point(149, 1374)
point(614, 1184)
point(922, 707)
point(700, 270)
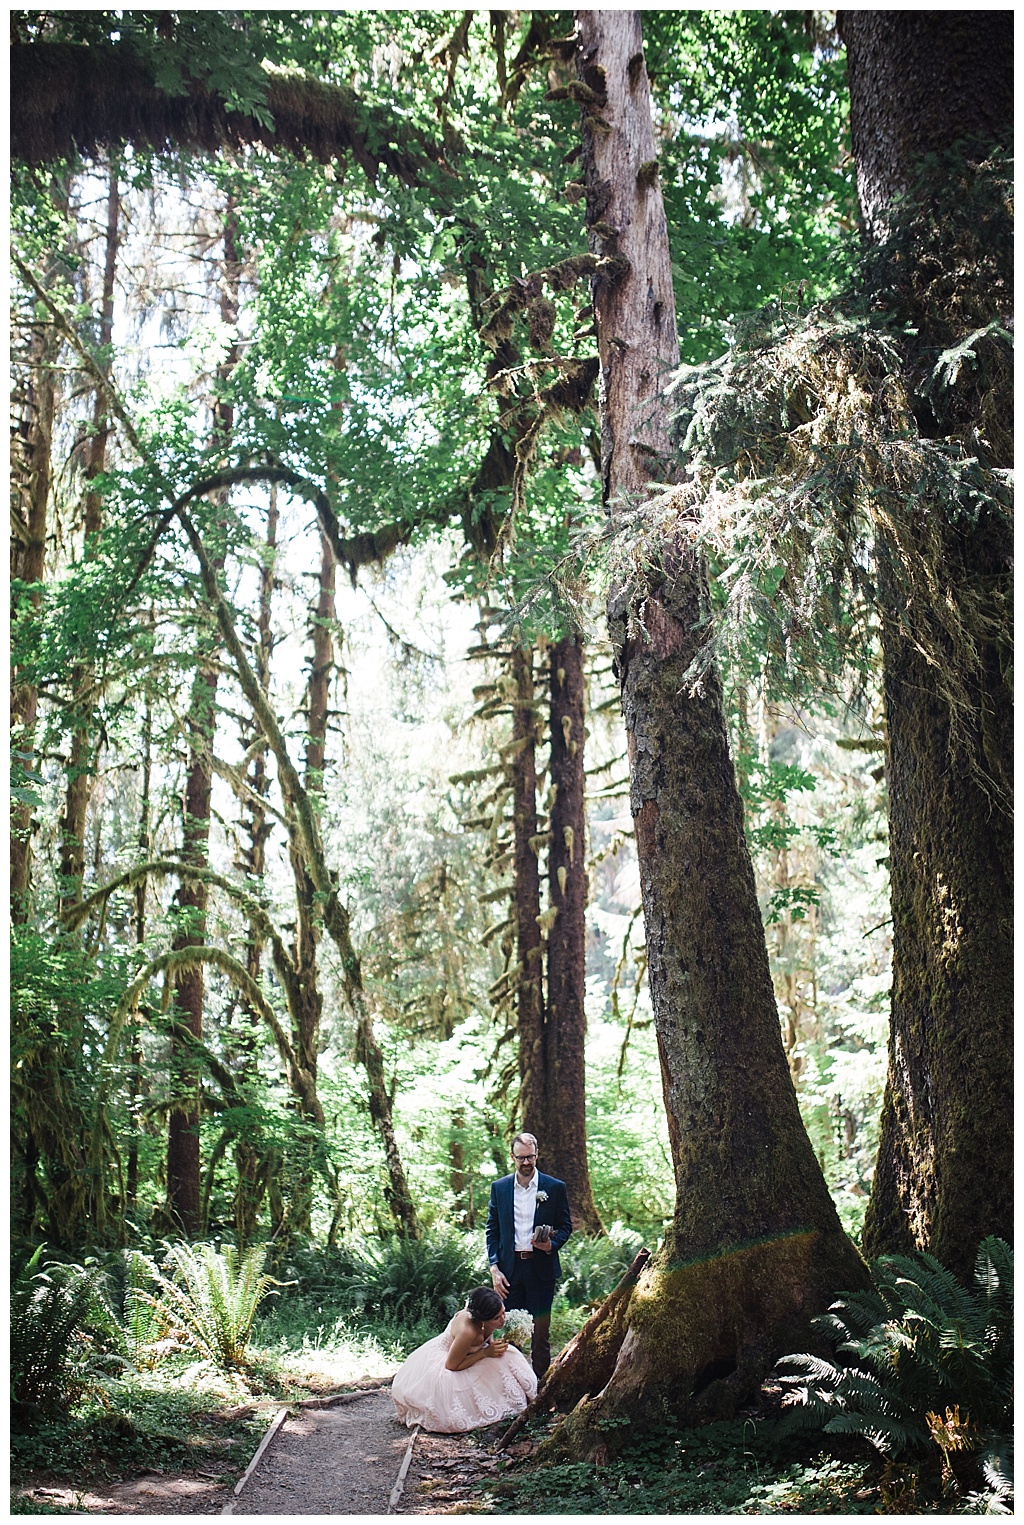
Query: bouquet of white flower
point(518, 1328)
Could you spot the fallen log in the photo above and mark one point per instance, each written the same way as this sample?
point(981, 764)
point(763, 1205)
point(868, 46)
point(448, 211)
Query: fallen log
point(587, 1362)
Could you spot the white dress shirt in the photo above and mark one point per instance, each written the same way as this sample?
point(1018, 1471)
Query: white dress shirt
point(524, 1203)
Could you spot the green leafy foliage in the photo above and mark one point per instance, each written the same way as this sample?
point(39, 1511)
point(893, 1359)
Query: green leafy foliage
point(142, 1420)
point(213, 1296)
point(915, 1347)
point(731, 1467)
point(415, 1279)
point(144, 1318)
point(755, 169)
point(591, 1267)
point(55, 1314)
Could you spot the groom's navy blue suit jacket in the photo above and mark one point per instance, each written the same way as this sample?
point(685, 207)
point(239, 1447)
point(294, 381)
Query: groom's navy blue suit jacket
point(501, 1228)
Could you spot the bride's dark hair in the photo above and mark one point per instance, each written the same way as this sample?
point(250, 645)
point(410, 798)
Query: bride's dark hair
point(484, 1303)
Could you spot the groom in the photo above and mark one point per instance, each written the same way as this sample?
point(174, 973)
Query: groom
point(524, 1266)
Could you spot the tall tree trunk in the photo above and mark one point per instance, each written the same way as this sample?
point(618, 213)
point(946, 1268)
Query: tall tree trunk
point(184, 1187)
point(249, 1189)
point(81, 768)
point(184, 1190)
point(307, 1004)
point(565, 1022)
point(29, 565)
point(32, 449)
point(460, 1179)
point(755, 1246)
point(526, 903)
point(920, 83)
point(135, 1057)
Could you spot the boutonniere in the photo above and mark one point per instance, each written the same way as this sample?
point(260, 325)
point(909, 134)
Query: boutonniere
point(542, 1196)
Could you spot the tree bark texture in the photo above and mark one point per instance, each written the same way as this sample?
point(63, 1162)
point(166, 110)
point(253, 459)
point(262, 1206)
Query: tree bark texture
point(921, 82)
point(564, 1139)
point(31, 449)
point(755, 1247)
point(460, 1180)
point(249, 1188)
point(82, 759)
point(184, 1187)
point(135, 1072)
point(307, 1003)
point(526, 877)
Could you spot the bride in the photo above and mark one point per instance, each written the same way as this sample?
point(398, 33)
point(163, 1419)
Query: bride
point(463, 1378)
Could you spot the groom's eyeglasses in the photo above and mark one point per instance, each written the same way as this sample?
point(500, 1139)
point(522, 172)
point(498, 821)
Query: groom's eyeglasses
point(523, 1159)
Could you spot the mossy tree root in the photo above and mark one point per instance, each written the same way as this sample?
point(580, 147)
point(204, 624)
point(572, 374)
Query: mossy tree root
point(699, 1338)
point(587, 1362)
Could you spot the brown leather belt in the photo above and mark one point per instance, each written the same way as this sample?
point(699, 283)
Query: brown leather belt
point(524, 1254)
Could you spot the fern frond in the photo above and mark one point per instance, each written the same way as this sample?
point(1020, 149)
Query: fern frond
point(919, 1342)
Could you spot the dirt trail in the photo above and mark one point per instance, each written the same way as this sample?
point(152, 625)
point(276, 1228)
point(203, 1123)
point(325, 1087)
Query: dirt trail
point(340, 1458)
point(346, 1460)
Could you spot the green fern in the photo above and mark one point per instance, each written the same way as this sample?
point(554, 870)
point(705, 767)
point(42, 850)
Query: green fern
point(591, 1267)
point(997, 1469)
point(59, 1320)
point(145, 1318)
point(916, 1344)
point(213, 1295)
point(412, 1279)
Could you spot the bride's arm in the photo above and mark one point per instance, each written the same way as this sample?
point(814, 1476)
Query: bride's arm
point(460, 1355)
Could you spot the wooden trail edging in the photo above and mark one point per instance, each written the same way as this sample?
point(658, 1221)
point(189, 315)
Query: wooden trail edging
point(275, 1425)
point(329, 1400)
point(396, 1492)
point(561, 1371)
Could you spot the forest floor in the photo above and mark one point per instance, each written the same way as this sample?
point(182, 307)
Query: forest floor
point(342, 1455)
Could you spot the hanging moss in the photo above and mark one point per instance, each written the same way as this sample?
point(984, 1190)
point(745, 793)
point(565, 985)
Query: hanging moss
point(830, 452)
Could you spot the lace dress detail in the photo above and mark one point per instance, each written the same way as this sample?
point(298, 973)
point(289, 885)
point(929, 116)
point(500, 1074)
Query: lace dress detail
point(446, 1402)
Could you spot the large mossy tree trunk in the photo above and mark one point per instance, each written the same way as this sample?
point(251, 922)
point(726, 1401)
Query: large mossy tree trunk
point(755, 1247)
point(565, 1022)
point(928, 83)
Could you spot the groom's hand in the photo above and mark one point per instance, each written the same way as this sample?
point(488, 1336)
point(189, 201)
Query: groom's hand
point(499, 1281)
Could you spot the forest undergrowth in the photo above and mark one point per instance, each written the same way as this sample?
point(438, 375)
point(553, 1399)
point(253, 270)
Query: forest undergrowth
point(108, 1384)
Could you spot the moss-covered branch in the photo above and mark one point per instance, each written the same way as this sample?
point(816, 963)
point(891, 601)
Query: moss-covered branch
point(71, 99)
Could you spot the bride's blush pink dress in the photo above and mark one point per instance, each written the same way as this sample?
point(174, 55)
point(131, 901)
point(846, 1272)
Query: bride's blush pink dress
point(427, 1393)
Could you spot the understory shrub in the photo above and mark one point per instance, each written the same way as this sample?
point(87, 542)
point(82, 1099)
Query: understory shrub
point(213, 1295)
point(924, 1366)
point(591, 1267)
point(407, 1280)
point(60, 1323)
point(143, 1319)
